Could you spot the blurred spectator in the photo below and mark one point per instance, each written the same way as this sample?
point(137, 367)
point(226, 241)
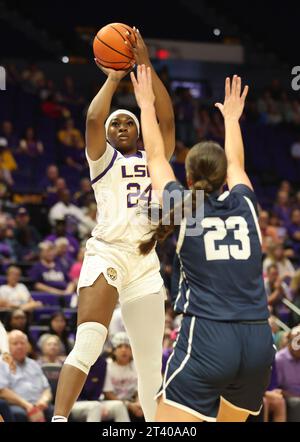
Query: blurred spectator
point(76, 267)
point(30, 145)
point(17, 319)
point(48, 183)
point(295, 113)
point(58, 326)
point(26, 237)
point(7, 161)
point(70, 95)
point(28, 391)
point(51, 350)
point(203, 124)
point(185, 115)
point(274, 406)
point(60, 231)
point(121, 377)
point(5, 179)
point(7, 132)
point(282, 207)
point(65, 209)
point(7, 254)
point(88, 222)
point(73, 146)
point(52, 109)
point(285, 186)
point(279, 336)
point(295, 291)
point(70, 136)
point(85, 196)
point(276, 256)
point(294, 230)
point(5, 413)
point(273, 115)
point(166, 255)
point(275, 288)
point(178, 161)
point(63, 258)
point(168, 345)
point(52, 197)
point(288, 374)
point(92, 391)
point(116, 326)
point(33, 77)
point(47, 275)
point(47, 88)
point(269, 233)
point(5, 189)
point(295, 149)
point(15, 294)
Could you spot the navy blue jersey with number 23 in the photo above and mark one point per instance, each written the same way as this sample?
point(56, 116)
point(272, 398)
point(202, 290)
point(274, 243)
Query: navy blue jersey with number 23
point(217, 274)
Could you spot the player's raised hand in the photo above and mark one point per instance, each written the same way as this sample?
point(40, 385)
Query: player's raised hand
point(142, 85)
point(113, 74)
point(234, 102)
point(138, 47)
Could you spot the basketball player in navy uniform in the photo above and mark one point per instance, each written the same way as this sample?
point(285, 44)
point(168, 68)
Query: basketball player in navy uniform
point(221, 362)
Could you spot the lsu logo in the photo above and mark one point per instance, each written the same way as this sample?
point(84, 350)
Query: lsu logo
point(112, 273)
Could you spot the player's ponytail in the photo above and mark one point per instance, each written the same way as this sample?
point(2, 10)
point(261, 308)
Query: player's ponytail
point(206, 168)
point(203, 184)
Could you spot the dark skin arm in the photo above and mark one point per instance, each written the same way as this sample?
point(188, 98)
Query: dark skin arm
point(99, 111)
point(163, 104)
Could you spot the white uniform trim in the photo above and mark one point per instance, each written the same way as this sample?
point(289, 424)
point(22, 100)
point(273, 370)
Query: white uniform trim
point(188, 292)
point(179, 289)
point(181, 235)
point(250, 204)
point(184, 362)
point(254, 413)
point(223, 196)
point(179, 369)
point(189, 410)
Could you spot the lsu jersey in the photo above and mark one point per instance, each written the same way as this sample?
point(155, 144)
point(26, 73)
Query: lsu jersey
point(122, 189)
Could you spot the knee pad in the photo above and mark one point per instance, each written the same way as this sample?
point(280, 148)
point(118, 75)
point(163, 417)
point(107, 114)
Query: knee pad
point(88, 346)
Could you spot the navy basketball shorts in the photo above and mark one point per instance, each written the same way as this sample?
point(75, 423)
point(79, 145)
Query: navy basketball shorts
point(213, 360)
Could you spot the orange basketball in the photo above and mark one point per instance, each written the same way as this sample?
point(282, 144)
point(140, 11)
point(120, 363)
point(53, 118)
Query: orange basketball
point(111, 49)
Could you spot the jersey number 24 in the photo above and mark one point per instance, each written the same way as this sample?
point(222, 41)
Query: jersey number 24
point(241, 233)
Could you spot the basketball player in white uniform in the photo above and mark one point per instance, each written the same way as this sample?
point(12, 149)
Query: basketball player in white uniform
point(113, 269)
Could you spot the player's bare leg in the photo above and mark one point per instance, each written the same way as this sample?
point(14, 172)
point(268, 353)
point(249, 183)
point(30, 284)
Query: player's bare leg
point(230, 413)
point(95, 305)
point(167, 413)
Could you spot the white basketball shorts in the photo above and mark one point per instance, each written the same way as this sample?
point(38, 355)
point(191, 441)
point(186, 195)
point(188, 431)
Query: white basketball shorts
point(132, 274)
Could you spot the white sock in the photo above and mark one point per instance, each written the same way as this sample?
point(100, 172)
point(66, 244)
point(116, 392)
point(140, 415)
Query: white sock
point(59, 419)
